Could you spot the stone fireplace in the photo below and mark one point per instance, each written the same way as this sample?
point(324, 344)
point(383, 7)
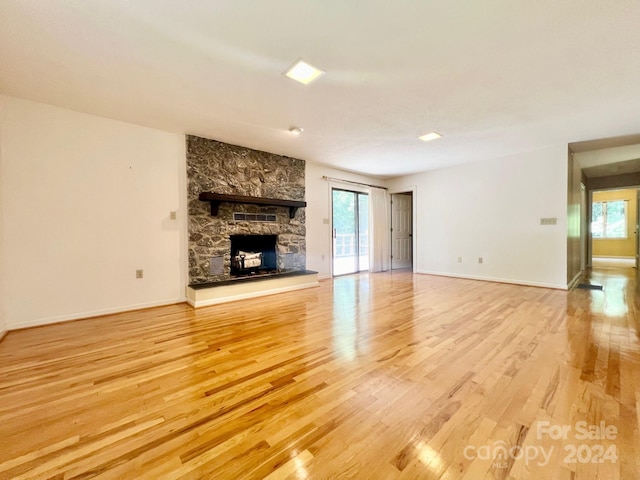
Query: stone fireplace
point(217, 234)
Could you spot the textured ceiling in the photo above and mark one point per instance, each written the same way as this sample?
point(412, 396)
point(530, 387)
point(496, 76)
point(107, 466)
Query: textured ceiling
point(495, 78)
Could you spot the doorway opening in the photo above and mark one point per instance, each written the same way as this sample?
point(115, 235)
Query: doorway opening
point(350, 218)
point(401, 230)
point(613, 227)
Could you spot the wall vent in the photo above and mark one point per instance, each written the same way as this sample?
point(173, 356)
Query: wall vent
point(216, 265)
point(289, 261)
point(254, 217)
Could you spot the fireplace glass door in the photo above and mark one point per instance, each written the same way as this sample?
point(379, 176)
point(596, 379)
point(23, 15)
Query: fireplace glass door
point(350, 212)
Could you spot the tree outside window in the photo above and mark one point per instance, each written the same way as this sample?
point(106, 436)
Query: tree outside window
point(609, 219)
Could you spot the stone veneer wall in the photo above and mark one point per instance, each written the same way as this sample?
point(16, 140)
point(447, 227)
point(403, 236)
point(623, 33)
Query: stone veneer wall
point(218, 167)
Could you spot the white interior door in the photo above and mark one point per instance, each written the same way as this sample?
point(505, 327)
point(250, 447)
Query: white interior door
point(401, 234)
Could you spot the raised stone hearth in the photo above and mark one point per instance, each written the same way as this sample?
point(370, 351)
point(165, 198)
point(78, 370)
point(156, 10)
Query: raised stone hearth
point(231, 170)
point(242, 288)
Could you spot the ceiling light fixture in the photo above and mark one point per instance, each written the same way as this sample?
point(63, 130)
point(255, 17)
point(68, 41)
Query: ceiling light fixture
point(296, 130)
point(427, 137)
point(303, 72)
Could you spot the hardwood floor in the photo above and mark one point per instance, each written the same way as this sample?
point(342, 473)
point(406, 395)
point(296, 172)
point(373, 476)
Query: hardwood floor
point(373, 376)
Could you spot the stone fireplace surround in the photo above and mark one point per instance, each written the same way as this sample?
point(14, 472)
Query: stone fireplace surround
point(218, 167)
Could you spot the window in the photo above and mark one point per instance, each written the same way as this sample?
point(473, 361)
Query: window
point(609, 219)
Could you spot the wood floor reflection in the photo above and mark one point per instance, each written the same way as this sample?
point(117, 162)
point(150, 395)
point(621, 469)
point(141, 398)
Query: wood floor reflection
point(369, 376)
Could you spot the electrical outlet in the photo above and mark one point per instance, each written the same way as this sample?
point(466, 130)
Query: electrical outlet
point(459, 259)
point(480, 260)
point(139, 273)
point(548, 221)
point(173, 215)
point(323, 257)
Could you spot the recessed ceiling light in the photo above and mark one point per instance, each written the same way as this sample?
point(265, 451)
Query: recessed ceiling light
point(430, 136)
point(296, 130)
point(303, 72)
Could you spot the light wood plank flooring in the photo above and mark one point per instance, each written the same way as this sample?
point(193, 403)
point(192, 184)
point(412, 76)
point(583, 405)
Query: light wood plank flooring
point(383, 376)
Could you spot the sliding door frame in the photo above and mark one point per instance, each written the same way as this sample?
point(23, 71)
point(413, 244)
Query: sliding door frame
point(346, 187)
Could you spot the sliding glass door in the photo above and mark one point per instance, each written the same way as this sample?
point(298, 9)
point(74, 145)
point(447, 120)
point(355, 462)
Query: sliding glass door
point(350, 211)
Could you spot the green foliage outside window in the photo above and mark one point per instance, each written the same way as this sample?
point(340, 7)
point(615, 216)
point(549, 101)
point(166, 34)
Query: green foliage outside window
point(609, 219)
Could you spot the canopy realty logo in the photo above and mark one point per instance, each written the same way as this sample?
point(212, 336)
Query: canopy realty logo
point(578, 443)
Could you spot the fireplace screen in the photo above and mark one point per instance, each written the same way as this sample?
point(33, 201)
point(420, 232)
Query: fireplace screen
point(253, 254)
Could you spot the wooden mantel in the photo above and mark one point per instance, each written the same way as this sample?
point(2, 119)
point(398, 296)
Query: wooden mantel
point(215, 199)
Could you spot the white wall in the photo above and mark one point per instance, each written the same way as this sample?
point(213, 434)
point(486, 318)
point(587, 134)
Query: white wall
point(492, 209)
point(318, 210)
point(86, 202)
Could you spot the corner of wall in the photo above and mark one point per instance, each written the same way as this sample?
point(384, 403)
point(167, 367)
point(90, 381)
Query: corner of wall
point(183, 216)
point(3, 322)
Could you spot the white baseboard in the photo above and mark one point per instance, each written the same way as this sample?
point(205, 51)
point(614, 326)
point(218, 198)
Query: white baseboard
point(92, 313)
point(495, 279)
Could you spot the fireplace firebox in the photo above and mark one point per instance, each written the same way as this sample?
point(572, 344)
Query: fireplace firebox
point(253, 254)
